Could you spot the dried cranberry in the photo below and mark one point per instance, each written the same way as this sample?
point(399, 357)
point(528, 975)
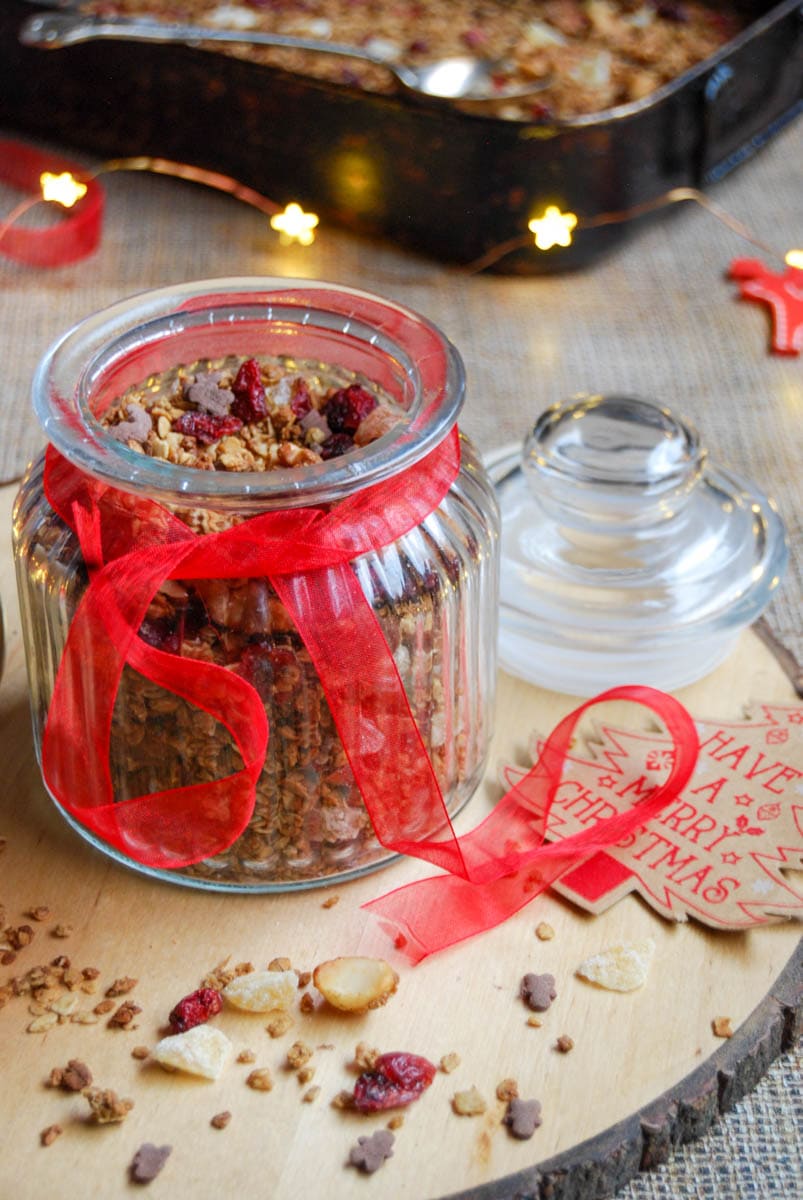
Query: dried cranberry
point(301, 402)
point(205, 427)
point(163, 633)
point(346, 408)
point(395, 1080)
point(195, 1009)
point(266, 668)
point(249, 392)
point(337, 444)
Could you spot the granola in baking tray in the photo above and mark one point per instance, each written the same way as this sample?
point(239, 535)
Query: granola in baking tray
point(238, 414)
point(591, 54)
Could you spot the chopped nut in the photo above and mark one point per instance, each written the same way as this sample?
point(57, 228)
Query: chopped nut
point(355, 984)
point(40, 913)
point(220, 1120)
point(202, 1050)
point(105, 1006)
point(304, 978)
point(106, 1107)
point(48, 1136)
point(449, 1062)
point(564, 1043)
point(722, 1027)
point(262, 991)
point(260, 1080)
point(41, 1024)
point(90, 973)
point(469, 1103)
point(148, 1162)
point(307, 1003)
point(508, 1089)
point(279, 1024)
point(121, 986)
point(64, 1005)
point(62, 930)
point(280, 964)
point(83, 1017)
point(246, 1056)
point(544, 932)
point(7, 958)
point(124, 1015)
point(343, 1099)
point(621, 968)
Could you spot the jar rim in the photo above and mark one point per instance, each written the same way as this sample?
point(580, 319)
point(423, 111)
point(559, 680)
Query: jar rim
point(422, 366)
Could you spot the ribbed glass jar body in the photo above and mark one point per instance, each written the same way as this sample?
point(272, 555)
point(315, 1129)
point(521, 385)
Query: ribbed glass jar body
point(433, 590)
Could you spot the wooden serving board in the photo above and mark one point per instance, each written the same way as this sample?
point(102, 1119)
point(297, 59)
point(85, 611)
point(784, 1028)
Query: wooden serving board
point(646, 1070)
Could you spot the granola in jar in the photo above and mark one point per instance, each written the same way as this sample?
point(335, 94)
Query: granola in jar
point(432, 592)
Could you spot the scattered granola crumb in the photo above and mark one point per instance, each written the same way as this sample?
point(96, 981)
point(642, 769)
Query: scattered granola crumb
point(124, 1015)
point(298, 1054)
point(148, 1162)
point(280, 964)
point(18, 937)
point(564, 1043)
point(307, 1003)
point(62, 930)
point(535, 1022)
point(305, 1075)
point(538, 991)
point(48, 1136)
point(121, 986)
point(106, 1107)
point(365, 1057)
point(304, 978)
point(370, 1152)
point(544, 932)
point(468, 1103)
point(260, 1080)
point(396, 1121)
point(40, 913)
point(279, 1025)
point(330, 902)
point(140, 1052)
point(522, 1117)
point(90, 973)
point(246, 1056)
point(343, 1099)
point(507, 1090)
point(311, 1095)
point(105, 1006)
point(722, 1027)
point(220, 1120)
point(450, 1062)
point(72, 1078)
point(7, 958)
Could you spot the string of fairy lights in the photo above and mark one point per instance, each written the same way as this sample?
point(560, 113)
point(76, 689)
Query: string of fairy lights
point(552, 228)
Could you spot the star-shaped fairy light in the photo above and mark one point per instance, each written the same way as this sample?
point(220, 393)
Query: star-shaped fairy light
point(295, 225)
point(63, 189)
point(554, 228)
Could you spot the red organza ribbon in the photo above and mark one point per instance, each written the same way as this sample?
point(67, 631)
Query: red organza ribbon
point(508, 863)
point(78, 231)
point(132, 545)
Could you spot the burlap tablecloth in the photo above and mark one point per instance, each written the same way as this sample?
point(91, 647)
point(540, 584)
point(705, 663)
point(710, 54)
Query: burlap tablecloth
point(657, 319)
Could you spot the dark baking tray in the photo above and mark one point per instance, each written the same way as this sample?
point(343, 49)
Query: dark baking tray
point(449, 184)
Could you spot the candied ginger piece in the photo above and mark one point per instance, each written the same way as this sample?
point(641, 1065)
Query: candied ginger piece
point(202, 1050)
point(620, 968)
point(263, 991)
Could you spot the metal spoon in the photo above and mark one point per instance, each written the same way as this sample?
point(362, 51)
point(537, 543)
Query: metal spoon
point(450, 79)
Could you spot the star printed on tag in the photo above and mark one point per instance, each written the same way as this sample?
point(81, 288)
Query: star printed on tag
point(731, 859)
point(744, 800)
point(607, 781)
point(782, 291)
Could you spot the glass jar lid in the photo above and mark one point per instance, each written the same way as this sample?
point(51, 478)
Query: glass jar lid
point(627, 556)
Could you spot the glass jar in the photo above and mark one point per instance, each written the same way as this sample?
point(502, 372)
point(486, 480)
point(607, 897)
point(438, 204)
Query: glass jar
point(432, 590)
